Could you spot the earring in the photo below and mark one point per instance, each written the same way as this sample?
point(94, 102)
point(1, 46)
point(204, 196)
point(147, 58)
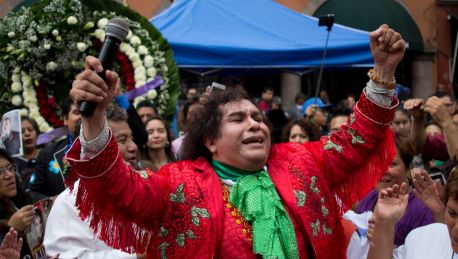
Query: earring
point(167, 144)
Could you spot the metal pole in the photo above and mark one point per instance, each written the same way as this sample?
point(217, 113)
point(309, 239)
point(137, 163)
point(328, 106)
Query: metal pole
point(322, 67)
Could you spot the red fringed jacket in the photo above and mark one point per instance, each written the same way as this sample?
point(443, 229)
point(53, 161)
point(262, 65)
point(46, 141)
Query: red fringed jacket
point(183, 211)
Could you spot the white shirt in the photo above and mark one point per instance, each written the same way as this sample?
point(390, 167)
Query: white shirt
point(70, 237)
point(430, 241)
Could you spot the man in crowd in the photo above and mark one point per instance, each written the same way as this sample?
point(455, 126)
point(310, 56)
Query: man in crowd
point(338, 119)
point(51, 169)
point(295, 111)
point(146, 110)
point(265, 103)
point(66, 234)
point(238, 196)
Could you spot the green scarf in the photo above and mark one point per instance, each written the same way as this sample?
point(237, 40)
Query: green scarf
point(255, 196)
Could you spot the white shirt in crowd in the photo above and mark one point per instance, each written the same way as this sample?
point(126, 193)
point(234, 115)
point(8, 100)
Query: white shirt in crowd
point(430, 241)
point(68, 236)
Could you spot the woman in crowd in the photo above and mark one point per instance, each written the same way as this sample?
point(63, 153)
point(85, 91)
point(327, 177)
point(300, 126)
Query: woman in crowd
point(432, 241)
point(417, 214)
point(300, 131)
point(27, 163)
point(158, 151)
point(401, 121)
point(15, 208)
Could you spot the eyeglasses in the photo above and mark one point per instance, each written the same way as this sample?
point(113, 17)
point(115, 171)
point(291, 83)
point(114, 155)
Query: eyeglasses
point(10, 168)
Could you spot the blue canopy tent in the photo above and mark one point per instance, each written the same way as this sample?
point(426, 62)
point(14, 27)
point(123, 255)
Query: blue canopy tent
point(255, 34)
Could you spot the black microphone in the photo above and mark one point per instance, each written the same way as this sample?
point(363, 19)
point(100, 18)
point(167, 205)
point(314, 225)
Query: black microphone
point(115, 32)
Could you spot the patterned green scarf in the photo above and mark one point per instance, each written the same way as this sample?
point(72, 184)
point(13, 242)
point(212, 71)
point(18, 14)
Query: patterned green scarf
point(255, 196)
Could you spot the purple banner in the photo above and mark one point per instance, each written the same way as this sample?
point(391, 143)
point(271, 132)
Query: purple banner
point(157, 81)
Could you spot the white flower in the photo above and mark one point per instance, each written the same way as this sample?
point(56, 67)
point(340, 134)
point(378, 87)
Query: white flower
point(151, 72)
point(33, 38)
point(11, 34)
point(28, 95)
point(23, 112)
point(99, 34)
point(140, 83)
point(129, 35)
point(88, 26)
point(16, 78)
point(40, 120)
point(140, 77)
point(152, 94)
point(16, 100)
point(30, 103)
point(26, 81)
point(81, 46)
point(149, 61)
point(9, 48)
point(142, 50)
point(102, 23)
point(17, 70)
point(72, 20)
point(130, 52)
point(135, 58)
point(51, 66)
point(55, 32)
point(34, 114)
point(137, 63)
point(16, 87)
point(47, 46)
point(135, 41)
point(26, 84)
point(58, 38)
point(165, 68)
point(123, 47)
point(140, 70)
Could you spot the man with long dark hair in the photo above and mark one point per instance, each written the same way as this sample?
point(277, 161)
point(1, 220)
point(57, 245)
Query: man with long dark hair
point(238, 197)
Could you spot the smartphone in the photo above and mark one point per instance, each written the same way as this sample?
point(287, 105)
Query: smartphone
point(440, 176)
point(217, 87)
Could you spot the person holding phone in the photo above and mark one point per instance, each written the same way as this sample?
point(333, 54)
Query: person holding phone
point(237, 196)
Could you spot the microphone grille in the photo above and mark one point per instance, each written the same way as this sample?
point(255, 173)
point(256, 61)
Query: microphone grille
point(118, 28)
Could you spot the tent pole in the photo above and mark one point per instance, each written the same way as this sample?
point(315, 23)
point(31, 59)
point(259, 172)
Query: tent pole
point(452, 73)
point(322, 66)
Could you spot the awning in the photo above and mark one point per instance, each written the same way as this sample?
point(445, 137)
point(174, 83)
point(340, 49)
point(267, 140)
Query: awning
point(369, 15)
point(255, 34)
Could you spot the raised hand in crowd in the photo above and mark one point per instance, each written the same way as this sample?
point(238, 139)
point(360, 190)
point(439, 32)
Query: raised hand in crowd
point(387, 47)
point(429, 192)
point(390, 208)
point(415, 108)
point(435, 106)
point(22, 218)
point(11, 245)
point(438, 110)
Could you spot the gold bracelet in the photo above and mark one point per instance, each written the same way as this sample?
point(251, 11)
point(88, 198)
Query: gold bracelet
point(374, 77)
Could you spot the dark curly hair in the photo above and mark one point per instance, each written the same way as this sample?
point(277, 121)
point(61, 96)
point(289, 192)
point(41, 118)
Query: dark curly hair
point(205, 122)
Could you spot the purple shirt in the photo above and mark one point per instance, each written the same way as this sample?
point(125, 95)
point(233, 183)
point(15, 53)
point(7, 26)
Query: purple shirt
point(416, 215)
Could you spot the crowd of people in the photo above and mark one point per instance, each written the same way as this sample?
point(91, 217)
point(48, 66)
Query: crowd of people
point(125, 184)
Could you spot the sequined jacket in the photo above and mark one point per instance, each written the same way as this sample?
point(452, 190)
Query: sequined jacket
point(183, 210)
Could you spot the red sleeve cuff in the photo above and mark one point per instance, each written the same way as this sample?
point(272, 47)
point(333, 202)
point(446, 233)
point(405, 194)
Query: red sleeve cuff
point(374, 112)
point(97, 165)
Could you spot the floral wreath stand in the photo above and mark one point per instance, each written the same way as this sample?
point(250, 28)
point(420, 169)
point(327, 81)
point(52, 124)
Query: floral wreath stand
point(43, 46)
